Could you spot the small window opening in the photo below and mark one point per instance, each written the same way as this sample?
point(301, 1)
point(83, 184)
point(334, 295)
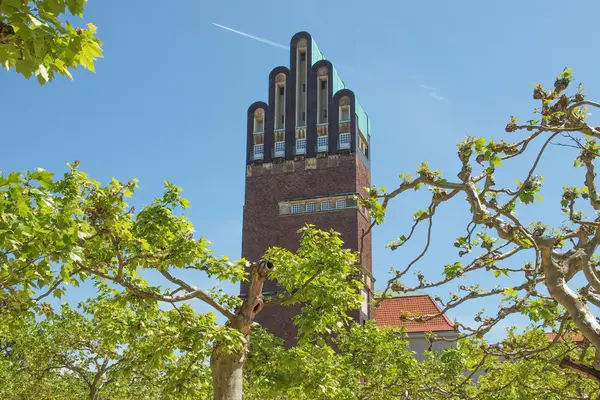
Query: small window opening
point(281, 91)
point(323, 84)
point(302, 56)
point(326, 205)
point(280, 136)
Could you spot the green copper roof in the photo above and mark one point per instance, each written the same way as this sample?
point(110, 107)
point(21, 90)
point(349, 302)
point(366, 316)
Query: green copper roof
point(364, 123)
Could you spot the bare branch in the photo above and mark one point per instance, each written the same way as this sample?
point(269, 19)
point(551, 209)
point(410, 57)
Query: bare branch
point(200, 294)
point(194, 293)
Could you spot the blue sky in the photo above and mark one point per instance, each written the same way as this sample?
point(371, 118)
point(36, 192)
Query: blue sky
point(169, 99)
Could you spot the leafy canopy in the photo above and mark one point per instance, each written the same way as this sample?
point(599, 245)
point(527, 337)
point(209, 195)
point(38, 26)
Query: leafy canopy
point(37, 39)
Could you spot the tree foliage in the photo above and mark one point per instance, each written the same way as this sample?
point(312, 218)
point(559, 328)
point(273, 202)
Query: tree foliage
point(37, 39)
point(552, 271)
point(367, 362)
point(65, 232)
point(111, 347)
point(359, 363)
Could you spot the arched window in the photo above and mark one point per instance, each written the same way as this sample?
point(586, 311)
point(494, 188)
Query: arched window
point(258, 135)
point(259, 120)
point(345, 124)
point(345, 108)
point(301, 72)
point(322, 94)
point(280, 89)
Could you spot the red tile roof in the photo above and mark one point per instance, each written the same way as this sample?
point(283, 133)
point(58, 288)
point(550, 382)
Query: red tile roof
point(577, 338)
point(389, 311)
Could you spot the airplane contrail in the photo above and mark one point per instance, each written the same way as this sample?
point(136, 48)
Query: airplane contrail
point(274, 44)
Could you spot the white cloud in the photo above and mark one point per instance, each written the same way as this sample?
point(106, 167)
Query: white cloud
point(433, 92)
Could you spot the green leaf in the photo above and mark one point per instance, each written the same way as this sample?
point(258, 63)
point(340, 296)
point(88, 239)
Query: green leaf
point(452, 270)
point(43, 72)
point(42, 176)
point(479, 143)
point(496, 161)
point(76, 7)
point(38, 46)
point(52, 7)
point(36, 22)
point(185, 203)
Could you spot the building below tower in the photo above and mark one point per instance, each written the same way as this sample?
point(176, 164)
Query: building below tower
point(389, 315)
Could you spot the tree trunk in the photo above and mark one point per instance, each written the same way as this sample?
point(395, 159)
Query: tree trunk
point(582, 369)
point(227, 369)
point(93, 393)
point(227, 374)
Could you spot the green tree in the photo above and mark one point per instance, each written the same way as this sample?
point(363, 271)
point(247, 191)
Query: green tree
point(18, 383)
point(37, 39)
point(62, 232)
point(501, 239)
point(114, 347)
point(472, 371)
point(366, 362)
point(362, 362)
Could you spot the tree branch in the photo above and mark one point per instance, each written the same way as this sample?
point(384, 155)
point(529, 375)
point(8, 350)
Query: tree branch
point(194, 293)
point(200, 294)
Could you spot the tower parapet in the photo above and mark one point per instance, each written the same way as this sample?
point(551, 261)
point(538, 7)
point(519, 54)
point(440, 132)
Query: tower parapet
point(310, 111)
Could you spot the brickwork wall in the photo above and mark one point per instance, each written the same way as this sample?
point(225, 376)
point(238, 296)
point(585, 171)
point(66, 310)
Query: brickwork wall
point(363, 180)
point(267, 185)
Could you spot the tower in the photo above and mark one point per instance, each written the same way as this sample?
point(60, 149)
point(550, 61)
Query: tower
point(308, 157)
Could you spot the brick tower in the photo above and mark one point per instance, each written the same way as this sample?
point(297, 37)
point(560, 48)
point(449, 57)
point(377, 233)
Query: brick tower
point(308, 152)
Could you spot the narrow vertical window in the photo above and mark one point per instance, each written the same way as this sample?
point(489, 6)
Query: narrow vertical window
point(258, 137)
point(301, 74)
point(345, 108)
point(322, 95)
point(259, 120)
point(280, 81)
point(258, 151)
point(279, 149)
point(345, 124)
point(300, 148)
